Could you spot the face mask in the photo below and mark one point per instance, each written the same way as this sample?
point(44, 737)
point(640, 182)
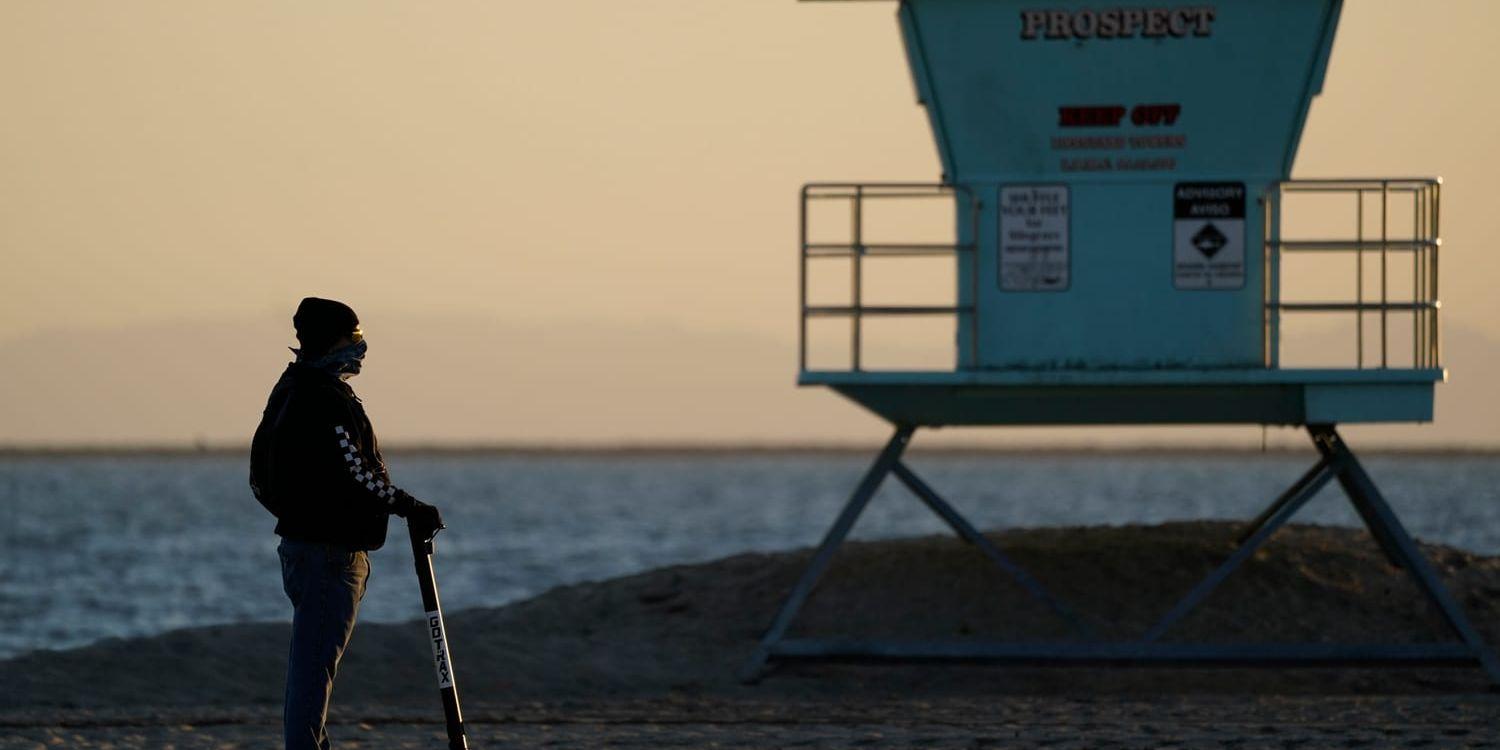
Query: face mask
point(345, 362)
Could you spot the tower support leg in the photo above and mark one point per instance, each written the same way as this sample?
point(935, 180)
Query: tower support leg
point(1326, 439)
point(1336, 462)
point(1384, 525)
point(888, 458)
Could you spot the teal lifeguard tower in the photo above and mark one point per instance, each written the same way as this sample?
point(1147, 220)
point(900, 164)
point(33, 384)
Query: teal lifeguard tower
point(1124, 249)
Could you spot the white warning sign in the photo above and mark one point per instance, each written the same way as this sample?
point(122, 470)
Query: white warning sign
point(1208, 230)
point(1034, 253)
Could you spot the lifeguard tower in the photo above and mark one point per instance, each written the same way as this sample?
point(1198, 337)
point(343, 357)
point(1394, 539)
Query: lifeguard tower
point(1124, 238)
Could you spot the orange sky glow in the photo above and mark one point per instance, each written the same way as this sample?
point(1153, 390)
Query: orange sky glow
point(561, 223)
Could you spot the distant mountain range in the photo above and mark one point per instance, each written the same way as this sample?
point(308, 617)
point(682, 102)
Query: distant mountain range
point(459, 381)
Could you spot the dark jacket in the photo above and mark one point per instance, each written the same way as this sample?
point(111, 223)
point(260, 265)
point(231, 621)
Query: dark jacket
point(315, 463)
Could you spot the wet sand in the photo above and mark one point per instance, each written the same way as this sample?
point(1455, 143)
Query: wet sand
point(649, 660)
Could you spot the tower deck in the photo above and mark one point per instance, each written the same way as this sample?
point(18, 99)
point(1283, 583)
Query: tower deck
point(1198, 396)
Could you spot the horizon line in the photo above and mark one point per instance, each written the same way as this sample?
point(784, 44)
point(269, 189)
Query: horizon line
point(648, 448)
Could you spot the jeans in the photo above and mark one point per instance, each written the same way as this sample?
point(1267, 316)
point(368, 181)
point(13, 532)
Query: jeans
point(325, 583)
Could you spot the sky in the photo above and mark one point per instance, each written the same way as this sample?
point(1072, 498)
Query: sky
point(561, 223)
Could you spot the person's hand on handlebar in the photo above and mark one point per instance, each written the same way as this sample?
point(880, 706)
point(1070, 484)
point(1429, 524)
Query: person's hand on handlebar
point(422, 518)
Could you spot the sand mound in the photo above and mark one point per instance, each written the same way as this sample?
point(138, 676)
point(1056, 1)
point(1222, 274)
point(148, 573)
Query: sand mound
point(684, 630)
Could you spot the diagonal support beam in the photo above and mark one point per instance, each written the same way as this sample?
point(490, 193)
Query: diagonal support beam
point(968, 533)
point(888, 458)
point(1337, 461)
point(1286, 497)
point(1384, 524)
point(1282, 511)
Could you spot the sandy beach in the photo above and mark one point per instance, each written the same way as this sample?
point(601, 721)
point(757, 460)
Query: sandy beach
point(649, 660)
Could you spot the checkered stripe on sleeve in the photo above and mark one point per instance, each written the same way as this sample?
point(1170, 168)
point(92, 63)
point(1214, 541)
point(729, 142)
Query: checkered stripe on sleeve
point(357, 467)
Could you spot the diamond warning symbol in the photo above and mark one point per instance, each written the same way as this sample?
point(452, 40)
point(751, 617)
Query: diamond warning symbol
point(1208, 230)
point(1209, 240)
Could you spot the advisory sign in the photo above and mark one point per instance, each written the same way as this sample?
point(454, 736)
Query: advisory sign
point(1034, 248)
point(1208, 230)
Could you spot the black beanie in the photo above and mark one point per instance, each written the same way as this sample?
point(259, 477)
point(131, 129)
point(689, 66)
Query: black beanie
point(321, 322)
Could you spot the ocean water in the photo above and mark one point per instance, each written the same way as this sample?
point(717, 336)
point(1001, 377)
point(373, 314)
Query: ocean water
point(98, 547)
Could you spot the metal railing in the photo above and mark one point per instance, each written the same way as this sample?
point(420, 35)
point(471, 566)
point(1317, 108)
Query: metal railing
point(1420, 245)
point(858, 250)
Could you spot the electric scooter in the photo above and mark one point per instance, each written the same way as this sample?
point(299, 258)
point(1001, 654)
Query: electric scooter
point(421, 549)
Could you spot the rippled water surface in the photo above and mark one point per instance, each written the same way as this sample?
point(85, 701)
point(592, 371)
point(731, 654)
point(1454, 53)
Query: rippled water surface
point(100, 547)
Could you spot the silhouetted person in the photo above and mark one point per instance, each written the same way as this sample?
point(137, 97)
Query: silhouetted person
point(316, 466)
